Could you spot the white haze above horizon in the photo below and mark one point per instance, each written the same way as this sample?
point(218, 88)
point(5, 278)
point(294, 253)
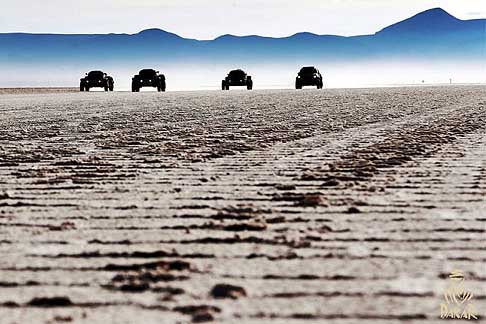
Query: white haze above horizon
point(277, 76)
point(208, 19)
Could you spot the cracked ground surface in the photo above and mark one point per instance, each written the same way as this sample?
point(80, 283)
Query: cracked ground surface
point(335, 206)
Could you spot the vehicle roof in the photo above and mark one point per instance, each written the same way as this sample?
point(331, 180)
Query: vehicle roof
point(308, 68)
point(96, 72)
point(148, 70)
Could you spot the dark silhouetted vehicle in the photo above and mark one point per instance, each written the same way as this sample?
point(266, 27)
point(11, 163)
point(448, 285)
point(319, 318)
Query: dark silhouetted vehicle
point(148, 78)
point(237, 78)
point(309, 76)
point(96, 79)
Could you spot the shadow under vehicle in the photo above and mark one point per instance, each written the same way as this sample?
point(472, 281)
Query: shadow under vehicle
point(237, 78)
point(148, 78)
point(309, 76)
point(96, 79)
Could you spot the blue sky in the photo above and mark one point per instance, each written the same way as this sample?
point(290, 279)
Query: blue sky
point(207, 19)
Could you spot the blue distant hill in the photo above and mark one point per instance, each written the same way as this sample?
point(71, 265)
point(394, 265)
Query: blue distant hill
point(434, 33)
point(431, 34)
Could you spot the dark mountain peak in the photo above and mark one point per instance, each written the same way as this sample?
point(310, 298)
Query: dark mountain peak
point(304, 35)
point(432, 20)
point(232, 38)
point(226, 36)
point(156, 33)
point(434, 14)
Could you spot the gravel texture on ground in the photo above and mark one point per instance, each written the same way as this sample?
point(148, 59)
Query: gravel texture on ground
point(333, 206)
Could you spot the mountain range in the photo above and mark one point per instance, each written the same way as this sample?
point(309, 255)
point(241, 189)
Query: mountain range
point(432, 34)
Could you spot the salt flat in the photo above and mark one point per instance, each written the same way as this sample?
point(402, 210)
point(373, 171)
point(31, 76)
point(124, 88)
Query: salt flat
point(335, 206)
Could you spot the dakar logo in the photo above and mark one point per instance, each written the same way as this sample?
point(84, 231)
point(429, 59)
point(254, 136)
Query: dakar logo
point(458, 304)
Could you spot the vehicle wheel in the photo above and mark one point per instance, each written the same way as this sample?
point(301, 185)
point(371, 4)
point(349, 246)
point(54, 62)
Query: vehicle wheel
point(249, 83)
point(81, 88)
point(106, 89)
point(164, 86)
point(86, 88)
point(112, 88)
point(134, 88)
point(223, 85)
point(298, 86)
point(249, 86)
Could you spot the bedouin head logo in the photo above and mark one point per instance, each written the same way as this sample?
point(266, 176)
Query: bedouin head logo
point(456, 275)
point(457, 299)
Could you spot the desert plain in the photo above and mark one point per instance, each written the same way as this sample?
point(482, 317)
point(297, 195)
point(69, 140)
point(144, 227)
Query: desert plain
point(332, 206)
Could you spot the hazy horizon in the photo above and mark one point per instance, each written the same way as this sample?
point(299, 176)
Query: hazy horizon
point(266, 76)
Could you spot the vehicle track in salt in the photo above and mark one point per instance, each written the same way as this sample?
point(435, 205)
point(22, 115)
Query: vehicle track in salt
point(340, 206)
